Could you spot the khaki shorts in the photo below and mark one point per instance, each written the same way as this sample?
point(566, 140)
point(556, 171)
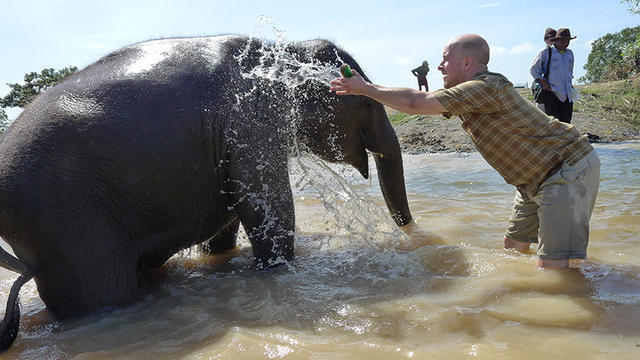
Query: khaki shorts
point(557, 217)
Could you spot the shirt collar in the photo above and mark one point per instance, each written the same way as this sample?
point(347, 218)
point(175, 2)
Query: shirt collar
point(561, 52)
point(480, 73)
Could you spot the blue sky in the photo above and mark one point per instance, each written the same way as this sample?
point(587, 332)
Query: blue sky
point(387, 38)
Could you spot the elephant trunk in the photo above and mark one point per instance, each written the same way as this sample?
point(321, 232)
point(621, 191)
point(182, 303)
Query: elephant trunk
point(390, 171)
point(391, 177)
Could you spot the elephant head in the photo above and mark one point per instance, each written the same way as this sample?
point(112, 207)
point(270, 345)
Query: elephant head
point(342, 128)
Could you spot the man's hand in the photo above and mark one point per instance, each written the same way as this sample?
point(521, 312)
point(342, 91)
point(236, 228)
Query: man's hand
point(545, 84)
point(354, 85)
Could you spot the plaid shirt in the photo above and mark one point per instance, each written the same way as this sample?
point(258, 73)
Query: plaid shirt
point(517, 139)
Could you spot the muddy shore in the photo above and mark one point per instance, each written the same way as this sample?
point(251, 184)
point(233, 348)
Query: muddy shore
point(430, 134)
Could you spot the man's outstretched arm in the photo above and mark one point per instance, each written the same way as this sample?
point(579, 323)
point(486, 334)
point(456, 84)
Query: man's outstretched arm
point(406, 100)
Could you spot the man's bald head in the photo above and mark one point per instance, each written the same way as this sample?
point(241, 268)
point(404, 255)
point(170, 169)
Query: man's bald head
point(463, 58)
point(471, 45)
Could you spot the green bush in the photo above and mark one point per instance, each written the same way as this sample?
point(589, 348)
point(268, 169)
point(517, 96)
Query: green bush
point(34, 83)
point(614, 56)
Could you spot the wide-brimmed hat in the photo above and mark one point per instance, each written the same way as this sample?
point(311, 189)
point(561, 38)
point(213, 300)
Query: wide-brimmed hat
point(549, 33)
point(563, 33)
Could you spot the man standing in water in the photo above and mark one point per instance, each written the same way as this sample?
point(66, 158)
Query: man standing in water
point(555, 170)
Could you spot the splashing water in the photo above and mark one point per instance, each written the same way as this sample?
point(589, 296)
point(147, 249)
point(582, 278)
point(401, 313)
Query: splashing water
point(344, 211)
point(277, 64)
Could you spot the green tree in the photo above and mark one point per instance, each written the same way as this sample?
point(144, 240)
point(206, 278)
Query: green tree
point(634, 6)
point(4, 122)
point(613, 56)
point(34, 83)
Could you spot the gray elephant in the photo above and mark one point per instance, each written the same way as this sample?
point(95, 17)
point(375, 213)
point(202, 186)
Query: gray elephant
point(166, 144)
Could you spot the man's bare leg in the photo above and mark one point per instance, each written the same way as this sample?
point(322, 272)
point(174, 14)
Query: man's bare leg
point(518, 245)
point(523, 247)
point(553, 264)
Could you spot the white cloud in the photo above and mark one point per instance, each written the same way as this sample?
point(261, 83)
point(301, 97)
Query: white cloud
point(403, 61)
point(524, 48)
point(488, 5)
point(497, 50)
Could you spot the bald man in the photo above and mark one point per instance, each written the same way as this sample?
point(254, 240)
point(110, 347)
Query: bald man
point(555, 170)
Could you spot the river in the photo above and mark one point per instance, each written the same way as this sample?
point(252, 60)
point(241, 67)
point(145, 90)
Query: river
point(360, 288)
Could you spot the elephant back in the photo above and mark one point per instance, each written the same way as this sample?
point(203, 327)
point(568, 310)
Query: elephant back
point(139, 129)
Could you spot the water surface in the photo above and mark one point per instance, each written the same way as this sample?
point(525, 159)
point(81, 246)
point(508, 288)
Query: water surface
point(359, 288)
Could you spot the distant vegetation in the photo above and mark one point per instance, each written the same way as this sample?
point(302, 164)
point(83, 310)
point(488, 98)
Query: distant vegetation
point(619, 99)
point(4, 122)
point(634, 6)
point(34, 83)
point(614, 57)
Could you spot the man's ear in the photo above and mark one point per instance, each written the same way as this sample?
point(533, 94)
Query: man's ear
point(468, 63)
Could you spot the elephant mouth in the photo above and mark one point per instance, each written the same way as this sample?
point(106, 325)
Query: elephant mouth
point(361, 163)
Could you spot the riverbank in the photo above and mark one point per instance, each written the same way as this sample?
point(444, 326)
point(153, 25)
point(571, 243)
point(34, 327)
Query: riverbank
point(604, 113)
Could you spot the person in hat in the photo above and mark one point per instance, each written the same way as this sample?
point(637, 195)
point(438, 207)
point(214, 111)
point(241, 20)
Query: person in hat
point(559, 102)
point(555, 170)
point(421, 73)
point(549, 34)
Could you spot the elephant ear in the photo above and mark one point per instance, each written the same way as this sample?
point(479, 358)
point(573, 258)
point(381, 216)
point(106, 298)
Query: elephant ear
point(378, 136)
point(322, 134)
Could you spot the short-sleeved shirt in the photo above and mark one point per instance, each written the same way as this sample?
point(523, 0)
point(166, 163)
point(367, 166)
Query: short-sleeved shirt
point(517, 139)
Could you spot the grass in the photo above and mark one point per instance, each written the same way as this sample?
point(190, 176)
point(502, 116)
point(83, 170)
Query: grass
point(619, 100)
point(397, 117)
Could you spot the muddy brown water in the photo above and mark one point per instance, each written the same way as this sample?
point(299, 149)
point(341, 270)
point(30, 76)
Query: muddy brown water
point(359, 288)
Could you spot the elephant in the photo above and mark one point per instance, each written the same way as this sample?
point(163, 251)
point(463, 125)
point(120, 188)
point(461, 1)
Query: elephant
point(166, 144)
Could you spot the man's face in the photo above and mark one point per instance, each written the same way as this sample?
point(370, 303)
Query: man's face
point(452, 67)
point(562, 44)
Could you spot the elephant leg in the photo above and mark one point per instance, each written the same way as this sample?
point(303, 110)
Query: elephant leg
point(87, 271)
point(225, 239)
point(259, 181)
point(270, 223)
